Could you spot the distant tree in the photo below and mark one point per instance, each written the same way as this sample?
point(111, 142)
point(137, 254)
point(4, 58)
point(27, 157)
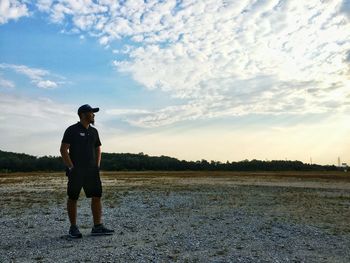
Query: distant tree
point(20, 162)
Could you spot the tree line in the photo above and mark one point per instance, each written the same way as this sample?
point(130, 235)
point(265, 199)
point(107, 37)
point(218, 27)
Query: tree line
point(20, 162)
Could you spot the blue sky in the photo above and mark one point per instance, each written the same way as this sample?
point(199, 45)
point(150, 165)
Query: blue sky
point(220, 80)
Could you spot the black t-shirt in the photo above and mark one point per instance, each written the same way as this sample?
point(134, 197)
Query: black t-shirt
point(83, 143)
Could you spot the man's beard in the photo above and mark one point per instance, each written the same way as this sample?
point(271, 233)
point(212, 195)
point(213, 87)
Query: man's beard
point(92, 122)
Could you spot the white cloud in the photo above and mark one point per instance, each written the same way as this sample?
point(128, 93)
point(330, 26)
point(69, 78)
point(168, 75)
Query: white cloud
point(37, 76)
point(46, 84)
point(168, 115)
point(4, 83)
point(12, 9)
point(225, 58)
point(44, 5)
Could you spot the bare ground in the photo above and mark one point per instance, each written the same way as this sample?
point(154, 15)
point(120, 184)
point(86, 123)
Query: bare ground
point(181, 217)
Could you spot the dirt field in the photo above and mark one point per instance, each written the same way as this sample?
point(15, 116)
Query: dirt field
point(181, 217)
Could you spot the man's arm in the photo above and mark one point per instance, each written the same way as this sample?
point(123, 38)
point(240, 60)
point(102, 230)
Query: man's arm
point(98, 155)
point(65, 155)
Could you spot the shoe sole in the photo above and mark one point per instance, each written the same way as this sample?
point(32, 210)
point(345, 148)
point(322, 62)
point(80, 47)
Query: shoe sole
point(79, 236)
point(102, 234)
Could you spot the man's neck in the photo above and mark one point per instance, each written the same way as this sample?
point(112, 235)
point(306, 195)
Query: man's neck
point(85, 124)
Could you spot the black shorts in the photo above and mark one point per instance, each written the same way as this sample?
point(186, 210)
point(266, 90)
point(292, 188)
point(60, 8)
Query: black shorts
point(88, 179)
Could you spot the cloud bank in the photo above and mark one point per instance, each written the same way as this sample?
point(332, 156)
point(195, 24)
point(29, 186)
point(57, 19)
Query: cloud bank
point(222, 58)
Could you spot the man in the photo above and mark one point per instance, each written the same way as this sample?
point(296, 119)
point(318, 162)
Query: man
point(81, 153)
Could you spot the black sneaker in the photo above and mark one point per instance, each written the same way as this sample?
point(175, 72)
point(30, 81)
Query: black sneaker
point(74, 232)
point(101, 230)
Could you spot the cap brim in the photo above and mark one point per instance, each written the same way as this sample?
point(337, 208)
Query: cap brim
point(95, 109)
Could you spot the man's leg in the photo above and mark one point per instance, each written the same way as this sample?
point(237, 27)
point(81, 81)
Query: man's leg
point(72, 214)
point(93, 189)
point(73, 190)
point(96, 208)
point(72, 211)
point(98, 228)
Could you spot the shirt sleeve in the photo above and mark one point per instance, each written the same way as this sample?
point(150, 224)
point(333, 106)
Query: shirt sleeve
point(68, 136)
point(98, 142)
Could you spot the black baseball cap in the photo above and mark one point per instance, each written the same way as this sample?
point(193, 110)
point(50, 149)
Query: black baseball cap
point(87, 108)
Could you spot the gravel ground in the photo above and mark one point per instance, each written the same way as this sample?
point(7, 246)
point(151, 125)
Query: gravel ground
point(181, 218)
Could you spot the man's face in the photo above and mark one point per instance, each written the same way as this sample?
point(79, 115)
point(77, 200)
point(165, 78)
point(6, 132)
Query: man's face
point(89, 117)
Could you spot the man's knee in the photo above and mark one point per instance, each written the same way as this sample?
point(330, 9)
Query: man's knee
point(72, 201)
point(95, 199)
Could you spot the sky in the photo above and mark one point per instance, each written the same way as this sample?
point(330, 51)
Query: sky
point(223, 80)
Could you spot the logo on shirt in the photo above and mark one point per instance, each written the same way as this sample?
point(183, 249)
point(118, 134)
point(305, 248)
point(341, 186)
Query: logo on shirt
point(82, 134)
